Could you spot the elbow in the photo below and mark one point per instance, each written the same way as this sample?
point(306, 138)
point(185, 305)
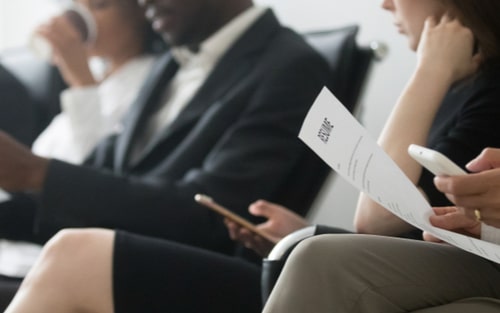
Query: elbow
point(379, 224)
point(362, 225)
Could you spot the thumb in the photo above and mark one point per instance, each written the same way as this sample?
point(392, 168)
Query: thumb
point(264, 208)
point(431, 238)
point(488, 159)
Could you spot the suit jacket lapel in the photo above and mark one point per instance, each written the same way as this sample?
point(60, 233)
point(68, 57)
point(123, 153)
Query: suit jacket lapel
point(148, 98)
point(233, 67)
point(236, 62)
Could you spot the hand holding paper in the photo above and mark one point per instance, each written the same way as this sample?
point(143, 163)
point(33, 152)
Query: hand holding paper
point(335, 135)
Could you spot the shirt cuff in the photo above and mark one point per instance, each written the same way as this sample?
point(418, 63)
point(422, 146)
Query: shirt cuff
point(72, 98)
point(81, 104)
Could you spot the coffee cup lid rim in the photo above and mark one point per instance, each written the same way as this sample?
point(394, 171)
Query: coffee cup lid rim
point(89, 20)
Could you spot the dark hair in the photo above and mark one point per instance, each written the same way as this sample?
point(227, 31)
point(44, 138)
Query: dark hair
point(483, 18)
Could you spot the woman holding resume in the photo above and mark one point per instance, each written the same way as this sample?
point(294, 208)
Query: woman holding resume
point(450, 104)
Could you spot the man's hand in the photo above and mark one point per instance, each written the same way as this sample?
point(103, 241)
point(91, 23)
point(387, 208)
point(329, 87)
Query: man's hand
point(20, 169)
point(281, 222)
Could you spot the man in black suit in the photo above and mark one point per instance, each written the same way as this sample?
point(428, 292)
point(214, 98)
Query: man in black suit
point(219, 115)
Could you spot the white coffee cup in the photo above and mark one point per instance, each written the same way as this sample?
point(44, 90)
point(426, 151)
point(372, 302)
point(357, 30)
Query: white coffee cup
point(83, 21)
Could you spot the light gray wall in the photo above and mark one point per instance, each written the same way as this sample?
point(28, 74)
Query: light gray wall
point(18, 18)
point(336, 205)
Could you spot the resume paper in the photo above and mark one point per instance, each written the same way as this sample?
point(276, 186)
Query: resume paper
point(338, 138)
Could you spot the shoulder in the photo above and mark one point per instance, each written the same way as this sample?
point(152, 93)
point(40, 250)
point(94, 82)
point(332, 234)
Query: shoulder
point(281, 43)
point(289, 43)
point(484, 86)
point(487, 79)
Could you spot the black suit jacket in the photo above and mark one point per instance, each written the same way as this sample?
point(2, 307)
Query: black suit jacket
point(236, 141)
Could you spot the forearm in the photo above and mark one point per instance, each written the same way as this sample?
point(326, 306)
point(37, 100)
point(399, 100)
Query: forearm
point(409, 122)
point(412, 117)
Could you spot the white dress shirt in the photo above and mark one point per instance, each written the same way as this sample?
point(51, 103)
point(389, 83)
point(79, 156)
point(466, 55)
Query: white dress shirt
point(88, 115)
point(92, 113)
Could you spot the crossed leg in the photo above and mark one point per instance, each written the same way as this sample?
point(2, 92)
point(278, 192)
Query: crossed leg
point(359, 273)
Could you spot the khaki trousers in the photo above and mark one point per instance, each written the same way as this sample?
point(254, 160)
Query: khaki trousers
point(374, 274)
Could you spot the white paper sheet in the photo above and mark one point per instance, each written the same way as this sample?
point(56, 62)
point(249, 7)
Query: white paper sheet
point(337, 137)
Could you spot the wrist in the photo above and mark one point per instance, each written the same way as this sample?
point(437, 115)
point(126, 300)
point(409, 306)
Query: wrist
point(83, 83)
point(435, 74)
point(37, 174)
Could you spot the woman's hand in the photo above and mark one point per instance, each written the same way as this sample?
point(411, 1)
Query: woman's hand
point(447, 48)
point(477, 191)
point(69, 51)
point(453, 219)
point(280, 222)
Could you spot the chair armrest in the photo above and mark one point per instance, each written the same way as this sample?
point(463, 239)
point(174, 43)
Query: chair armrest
point(273, 264)
point(284, 245)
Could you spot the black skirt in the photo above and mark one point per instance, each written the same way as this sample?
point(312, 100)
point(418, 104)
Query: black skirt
point(152, 275)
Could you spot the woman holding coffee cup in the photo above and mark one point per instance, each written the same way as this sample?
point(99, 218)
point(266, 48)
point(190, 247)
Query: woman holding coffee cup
point(92, 107)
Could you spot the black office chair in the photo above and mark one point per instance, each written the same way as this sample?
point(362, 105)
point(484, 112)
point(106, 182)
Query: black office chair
point(29, 99)
point(29, 89)
point(16, 108)
point(350, 65)
point(349, 62)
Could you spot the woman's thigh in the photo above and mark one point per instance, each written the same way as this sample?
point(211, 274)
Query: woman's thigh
point(360, 273)
point(480, 305)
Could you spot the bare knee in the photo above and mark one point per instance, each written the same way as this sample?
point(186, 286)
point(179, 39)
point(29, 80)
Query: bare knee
point(73, 245)
point(74, 271)
point(71, 253)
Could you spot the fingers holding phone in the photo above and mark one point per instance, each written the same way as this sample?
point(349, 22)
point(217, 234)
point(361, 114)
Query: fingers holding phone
point(233, 217)
point(249, 239)
point(435, 162)
point(261, 238)
point(280, 222)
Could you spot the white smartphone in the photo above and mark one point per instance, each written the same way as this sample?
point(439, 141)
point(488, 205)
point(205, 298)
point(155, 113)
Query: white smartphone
point(210, 203)
point(437, 163)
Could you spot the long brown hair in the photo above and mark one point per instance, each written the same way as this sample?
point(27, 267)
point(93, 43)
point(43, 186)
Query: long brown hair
point(483, 19)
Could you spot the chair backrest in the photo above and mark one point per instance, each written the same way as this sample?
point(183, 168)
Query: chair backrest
point(349, 62)
point(349, 66)
point(41, 83)
point(17, 116)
